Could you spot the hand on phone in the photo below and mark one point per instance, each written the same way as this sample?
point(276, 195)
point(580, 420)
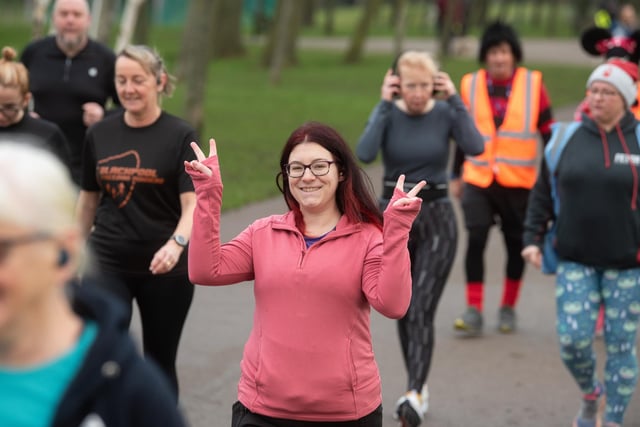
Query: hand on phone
point(390, 86)
point(443, 87)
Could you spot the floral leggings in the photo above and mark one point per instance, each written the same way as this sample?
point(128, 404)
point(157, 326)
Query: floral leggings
point(580, 290)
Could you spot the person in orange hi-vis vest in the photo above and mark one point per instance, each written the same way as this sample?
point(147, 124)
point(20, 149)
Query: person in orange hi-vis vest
point(511, 109)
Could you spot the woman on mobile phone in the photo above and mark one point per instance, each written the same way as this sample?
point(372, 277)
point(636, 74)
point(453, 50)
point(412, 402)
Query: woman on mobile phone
point(413, 131)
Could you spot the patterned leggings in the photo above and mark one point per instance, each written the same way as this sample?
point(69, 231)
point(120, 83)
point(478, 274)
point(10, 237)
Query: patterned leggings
point(580, 290)
point(432, 248)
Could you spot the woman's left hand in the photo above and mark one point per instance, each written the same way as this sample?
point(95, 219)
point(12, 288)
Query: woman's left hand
point(444, 86)
point(411, 195)
point(166, 258)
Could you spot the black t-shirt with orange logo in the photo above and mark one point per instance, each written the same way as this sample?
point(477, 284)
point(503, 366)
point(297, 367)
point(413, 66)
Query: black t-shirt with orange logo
point(140, 175)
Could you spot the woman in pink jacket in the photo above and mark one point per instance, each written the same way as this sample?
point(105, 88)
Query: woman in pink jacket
point(317, 270)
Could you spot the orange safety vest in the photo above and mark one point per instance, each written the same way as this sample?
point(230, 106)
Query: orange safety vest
point(511, 151)
point(636, 108)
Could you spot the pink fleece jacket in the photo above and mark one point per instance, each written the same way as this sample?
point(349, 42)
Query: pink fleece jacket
point(309, 355)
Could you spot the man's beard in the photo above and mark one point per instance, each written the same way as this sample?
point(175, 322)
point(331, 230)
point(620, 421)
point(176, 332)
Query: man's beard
point(71, 42)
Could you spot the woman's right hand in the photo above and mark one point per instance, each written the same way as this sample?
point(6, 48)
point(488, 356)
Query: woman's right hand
point(390, 86)
point(197, 165)
point(532, 254)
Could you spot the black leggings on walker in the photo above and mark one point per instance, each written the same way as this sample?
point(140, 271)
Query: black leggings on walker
point(164, 302)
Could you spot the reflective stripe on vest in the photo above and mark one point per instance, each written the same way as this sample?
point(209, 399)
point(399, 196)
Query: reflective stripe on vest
point(511, 151)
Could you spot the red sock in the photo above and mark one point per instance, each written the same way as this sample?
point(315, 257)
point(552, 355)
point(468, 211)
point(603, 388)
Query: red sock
point(475, 295)
point(510, 292)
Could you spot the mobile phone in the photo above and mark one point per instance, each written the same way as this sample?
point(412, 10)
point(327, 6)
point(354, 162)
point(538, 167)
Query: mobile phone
point(394, 71)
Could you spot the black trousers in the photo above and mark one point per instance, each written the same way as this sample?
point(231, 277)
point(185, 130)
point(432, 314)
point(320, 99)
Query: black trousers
point(164, 302)
point(484, 207)
point(242, 417)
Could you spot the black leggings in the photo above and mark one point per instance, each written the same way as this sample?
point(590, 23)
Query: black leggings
point(432, 248)
point(484, 207)
point(163, 302)
point(242, 417)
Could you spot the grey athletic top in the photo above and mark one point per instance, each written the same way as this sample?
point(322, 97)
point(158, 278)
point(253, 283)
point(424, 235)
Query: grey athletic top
point(418, 145)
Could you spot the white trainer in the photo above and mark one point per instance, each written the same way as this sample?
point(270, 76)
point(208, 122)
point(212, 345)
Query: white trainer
point(424, 397)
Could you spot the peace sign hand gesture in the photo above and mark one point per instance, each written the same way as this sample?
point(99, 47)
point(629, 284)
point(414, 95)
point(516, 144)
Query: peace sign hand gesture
point(411, 196)
point(195, 166)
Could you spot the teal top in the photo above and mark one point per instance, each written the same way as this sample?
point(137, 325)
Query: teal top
point(29, 397)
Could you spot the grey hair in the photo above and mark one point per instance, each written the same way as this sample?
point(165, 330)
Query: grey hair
point(36, 190)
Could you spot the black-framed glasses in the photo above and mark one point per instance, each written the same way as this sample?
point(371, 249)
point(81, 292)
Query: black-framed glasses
point(317, 168)
point(7, 244)
point(10, 110)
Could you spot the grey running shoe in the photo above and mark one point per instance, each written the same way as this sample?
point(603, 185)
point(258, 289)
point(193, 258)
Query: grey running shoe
point(506, 319)
point(591, 409)
point(470, 323)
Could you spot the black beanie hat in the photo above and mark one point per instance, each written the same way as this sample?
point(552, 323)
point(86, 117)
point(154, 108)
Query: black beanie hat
point(496, 33)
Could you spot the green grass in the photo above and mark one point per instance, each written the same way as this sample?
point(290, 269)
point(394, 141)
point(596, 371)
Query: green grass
point(251, 119)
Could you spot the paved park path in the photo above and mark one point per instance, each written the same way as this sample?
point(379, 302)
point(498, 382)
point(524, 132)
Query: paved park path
point(494, 381)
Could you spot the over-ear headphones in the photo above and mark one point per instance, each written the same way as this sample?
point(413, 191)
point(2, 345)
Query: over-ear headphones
point(63, 257)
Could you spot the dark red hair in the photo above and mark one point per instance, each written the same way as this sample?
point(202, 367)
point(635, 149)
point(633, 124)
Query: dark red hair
point(354, 195)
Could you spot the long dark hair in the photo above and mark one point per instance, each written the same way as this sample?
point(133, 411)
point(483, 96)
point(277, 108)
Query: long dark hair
point(354, 195)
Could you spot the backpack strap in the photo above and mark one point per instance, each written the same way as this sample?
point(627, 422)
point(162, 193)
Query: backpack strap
point(562, 132)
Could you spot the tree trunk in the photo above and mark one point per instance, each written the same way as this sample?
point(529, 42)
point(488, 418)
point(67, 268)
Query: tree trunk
point(308, 13)
point(401, 7)
point(285, 29)
point(39, 18)
point(329, 16)
point(358, 39)
point(286, 11)
point(128, 23)
point(479, 12)
point(103, 16)
point(196, 48)
point(141, 32)
point(227, 29)
point(448, 27)
point(552, 17)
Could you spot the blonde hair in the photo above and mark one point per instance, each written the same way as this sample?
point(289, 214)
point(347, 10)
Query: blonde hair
point(36, 190)
point(418, 59)
point(151, 62)
point(12, 73)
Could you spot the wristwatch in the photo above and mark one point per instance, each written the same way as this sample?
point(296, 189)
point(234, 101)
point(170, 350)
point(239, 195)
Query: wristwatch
point(180, 240)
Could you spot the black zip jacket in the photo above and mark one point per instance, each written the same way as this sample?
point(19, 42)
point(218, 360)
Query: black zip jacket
point(597, 184)
point(115, 386)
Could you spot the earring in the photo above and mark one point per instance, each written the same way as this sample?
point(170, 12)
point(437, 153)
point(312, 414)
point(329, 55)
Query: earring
point(63, 257)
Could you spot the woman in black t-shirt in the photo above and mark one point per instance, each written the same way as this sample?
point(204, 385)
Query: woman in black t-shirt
point(137, 202)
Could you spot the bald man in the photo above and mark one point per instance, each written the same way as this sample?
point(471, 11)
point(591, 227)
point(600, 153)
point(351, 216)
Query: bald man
point(71, 76)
